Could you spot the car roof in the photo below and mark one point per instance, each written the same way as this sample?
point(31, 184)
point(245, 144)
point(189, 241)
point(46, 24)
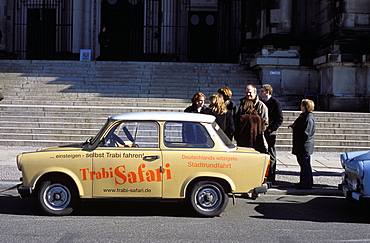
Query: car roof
point(165, 116)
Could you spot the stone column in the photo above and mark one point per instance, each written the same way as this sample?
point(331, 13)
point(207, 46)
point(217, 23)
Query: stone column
point(2, 24)
point(87, 25)
point(286, 15)
point(7, 24)
point(78, 25)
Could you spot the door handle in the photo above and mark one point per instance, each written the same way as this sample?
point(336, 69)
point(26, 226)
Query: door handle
point(151, 158)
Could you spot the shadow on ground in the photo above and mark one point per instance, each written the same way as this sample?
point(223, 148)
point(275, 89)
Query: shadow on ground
point(318, 209)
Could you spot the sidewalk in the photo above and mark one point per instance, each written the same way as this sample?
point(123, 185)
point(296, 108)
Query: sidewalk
point(327, 174)
point(326, 170)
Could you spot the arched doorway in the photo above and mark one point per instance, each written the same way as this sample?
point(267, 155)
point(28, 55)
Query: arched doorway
point(203, 36)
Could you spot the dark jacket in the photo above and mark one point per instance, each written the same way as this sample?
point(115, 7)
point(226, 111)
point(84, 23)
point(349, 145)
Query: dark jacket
point(225, 121)
point(304, 134)
point(231, 106)
point(193, 109)
point(275, 114)
point(249, 132)
point(103, 39)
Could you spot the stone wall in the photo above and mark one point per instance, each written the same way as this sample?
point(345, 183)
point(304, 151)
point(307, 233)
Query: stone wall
point(340, 86)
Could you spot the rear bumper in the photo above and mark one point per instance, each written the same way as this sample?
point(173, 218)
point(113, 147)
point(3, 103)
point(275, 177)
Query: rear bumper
point(260, 189)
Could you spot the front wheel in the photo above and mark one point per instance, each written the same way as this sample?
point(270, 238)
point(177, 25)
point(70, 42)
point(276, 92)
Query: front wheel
point(208, 199)
point(57, 198)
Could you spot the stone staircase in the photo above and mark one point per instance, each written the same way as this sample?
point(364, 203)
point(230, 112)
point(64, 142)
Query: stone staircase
point(51, 103)
point(335, 131)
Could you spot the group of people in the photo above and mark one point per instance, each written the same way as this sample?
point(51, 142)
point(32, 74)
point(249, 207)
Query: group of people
point(254, 122)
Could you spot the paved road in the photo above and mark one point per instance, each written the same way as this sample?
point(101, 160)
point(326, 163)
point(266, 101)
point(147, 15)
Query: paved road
point(326, 169)
point(270, 218)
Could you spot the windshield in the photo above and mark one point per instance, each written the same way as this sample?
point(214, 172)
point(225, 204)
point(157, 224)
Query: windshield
point(223, 136)
point(100, 133)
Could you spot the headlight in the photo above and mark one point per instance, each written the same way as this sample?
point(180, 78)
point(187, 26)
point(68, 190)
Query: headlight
point(355, 184)
point(360, 169)
point(19, 161)
point(343, 159)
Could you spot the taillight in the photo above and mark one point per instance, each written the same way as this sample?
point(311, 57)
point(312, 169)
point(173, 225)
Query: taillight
point(267, 171)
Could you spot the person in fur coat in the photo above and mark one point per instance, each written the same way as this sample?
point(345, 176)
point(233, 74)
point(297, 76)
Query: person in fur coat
point(249, 128)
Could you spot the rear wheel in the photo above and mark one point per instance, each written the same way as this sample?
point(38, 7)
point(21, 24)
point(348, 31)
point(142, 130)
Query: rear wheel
point(208, 198)
point(57, 197)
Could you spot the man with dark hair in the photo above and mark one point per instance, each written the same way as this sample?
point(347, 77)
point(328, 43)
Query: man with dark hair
point(275, 118)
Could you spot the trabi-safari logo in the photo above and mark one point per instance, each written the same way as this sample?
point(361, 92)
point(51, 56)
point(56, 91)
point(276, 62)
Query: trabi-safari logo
point(121, 176)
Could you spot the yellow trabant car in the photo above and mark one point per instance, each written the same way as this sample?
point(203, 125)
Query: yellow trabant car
point(146, 155)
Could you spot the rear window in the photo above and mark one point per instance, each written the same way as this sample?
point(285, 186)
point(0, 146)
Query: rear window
point(186, 135)
point(223, 136)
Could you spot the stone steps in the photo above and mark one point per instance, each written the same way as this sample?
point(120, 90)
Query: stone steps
point(50, 103)
point(48, 127)
point(326, 148)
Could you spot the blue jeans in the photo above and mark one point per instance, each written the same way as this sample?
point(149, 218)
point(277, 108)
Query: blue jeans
point(306, 178)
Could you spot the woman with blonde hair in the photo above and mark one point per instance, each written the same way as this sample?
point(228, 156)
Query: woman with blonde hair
point(227, 94)
point(249, 128)
point(303, 142)
point(223, 116)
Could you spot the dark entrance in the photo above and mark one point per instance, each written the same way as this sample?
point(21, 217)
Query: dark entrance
point(172, 30)
point(203, 36)
point(124, 26)
point(43, 29)
point(41, 33)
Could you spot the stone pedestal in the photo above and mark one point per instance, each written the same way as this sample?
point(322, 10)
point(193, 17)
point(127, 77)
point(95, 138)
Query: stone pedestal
point(341, 85)
point(282, 70)
point(344, 85)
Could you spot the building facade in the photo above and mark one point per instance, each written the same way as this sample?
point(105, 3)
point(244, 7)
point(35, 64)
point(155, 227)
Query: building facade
point(158, 30)
point(317, 47)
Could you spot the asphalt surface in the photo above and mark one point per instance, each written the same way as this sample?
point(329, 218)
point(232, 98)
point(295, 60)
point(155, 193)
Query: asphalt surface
point(326, 169)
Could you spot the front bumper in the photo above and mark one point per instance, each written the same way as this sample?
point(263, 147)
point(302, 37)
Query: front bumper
point(350, 194)
point(25, 191)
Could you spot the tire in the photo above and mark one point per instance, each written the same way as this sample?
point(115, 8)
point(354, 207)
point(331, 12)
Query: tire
point(57, 198)
point(207, 199)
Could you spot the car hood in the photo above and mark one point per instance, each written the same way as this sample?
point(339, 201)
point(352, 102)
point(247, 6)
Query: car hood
point(350, 159)
point(356, 155)
point(64, 147)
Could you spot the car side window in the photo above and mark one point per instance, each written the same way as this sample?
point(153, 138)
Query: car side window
point(186, 135)
point(134, 135)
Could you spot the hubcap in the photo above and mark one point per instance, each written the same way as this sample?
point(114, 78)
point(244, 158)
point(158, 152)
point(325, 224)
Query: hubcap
point(208, 198)
point(57, 197)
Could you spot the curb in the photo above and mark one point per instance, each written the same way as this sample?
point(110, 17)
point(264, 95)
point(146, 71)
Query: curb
point(8, 186)
point(314, 191)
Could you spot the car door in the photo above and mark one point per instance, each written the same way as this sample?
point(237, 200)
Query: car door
point(129, 162)
point(184, 140)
